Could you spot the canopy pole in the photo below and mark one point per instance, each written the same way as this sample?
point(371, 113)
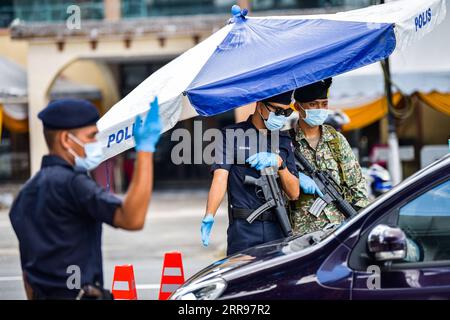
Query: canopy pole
point(108, 183)
point(394, 163)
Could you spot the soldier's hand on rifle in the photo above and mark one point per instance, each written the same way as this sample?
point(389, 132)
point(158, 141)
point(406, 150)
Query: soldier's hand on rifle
point(206, 227)
point(263, 160)
point(308, 185)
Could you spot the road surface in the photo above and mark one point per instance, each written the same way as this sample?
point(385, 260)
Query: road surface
point(173, 223)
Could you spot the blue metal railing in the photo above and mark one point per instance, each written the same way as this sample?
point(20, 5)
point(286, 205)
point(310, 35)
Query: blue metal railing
point(142, 8)
point(146, 8)
point(48, 11)
point(56, 10)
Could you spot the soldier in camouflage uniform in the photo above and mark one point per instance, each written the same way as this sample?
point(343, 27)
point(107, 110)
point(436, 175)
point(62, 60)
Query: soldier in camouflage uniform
point(326, 149)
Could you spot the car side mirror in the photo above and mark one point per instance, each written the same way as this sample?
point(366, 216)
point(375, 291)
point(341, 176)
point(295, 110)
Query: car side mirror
point(387, 243)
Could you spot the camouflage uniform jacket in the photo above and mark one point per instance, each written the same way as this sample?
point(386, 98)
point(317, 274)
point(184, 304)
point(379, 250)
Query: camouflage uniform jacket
point(333, 154)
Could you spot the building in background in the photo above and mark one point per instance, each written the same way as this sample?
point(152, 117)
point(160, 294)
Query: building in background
point(420, 76)
point(119, 44)
point(14, 152)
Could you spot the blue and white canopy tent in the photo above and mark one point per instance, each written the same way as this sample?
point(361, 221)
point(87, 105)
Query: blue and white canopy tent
point(424, 67)
point(252, 58)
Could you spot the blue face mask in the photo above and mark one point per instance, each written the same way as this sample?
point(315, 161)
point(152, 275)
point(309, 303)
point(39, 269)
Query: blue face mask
point(274, 122)
point(94, 154)
point(315, 117)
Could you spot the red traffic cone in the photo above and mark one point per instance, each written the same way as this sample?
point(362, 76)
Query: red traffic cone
point(172, 274)
point(124, 286)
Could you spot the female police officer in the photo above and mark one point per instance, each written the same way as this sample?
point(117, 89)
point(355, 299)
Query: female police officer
point(59, 212)
point(243, 146)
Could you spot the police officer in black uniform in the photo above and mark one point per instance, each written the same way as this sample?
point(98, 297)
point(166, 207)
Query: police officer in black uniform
point(248, 147)
point(59, 212)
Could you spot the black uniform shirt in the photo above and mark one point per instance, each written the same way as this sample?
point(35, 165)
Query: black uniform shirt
point(235, 150)
point(58, 218)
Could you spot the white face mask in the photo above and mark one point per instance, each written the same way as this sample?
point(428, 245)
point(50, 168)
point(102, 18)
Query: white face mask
point(315, 117)
point(273, 122)
point(94, 154)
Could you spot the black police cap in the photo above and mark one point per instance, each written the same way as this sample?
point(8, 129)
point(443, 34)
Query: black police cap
point(68, 114)
point(283, 98)
point(313, 91)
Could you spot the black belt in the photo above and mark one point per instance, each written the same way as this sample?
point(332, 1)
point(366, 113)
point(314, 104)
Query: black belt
point(56, 294)
point(239, 213)
point(65, 294)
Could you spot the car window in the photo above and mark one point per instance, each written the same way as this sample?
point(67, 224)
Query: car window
point(426, 223)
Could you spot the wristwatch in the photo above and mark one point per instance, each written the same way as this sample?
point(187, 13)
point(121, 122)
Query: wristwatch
point(283, 165)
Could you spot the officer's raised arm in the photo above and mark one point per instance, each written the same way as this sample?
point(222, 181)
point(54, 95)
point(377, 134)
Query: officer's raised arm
point(131, 215)
point(58, 214)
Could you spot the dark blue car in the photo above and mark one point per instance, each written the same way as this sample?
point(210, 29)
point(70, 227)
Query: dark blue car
point(396, 248)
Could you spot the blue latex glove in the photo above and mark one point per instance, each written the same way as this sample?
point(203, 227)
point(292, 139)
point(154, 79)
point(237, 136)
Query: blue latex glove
point(206, 227)
point(308, 185)
point(262, 160)
point(146, 135)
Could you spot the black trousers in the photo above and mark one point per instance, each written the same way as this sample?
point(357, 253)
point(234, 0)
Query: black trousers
point(243, 235)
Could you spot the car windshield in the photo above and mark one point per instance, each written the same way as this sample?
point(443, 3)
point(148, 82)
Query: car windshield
point(310, 239)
